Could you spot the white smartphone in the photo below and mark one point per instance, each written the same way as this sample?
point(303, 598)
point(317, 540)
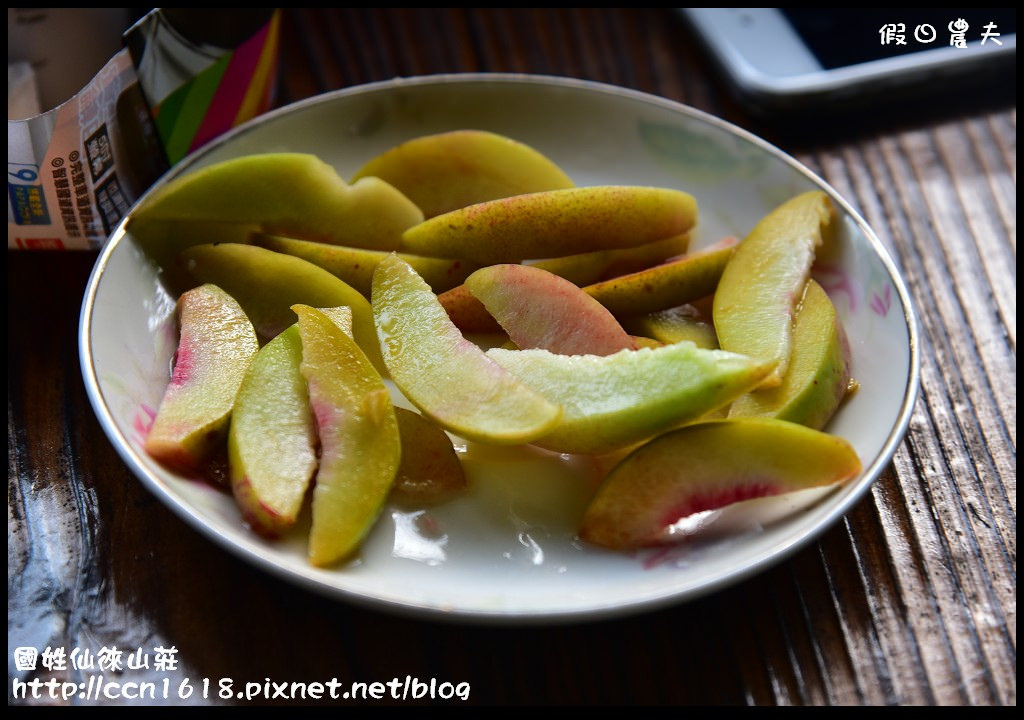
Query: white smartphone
point(782, 59)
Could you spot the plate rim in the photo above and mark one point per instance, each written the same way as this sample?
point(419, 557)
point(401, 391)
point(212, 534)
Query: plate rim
point(265, 560)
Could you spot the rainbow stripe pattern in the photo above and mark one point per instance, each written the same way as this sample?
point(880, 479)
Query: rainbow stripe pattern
point(236, 88)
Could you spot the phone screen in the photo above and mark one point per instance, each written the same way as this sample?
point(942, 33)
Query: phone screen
point(839, 37)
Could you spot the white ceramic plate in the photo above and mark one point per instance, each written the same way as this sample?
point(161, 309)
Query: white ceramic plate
point(507, 551)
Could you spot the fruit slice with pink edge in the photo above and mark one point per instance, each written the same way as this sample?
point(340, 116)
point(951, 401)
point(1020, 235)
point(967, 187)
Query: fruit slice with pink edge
point(217, 343)
point(272, 440)
point(360, 448)
point(763, 282)
point(615, 401)
point(430, 471)
point(267, 284)
point(818, 377)
point(672, 283)
point(708, 466)
point(446, 376)
point(450, 170)
point(541, 310)
point(554, 223)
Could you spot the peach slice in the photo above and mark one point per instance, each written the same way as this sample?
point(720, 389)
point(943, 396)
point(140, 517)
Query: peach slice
point(541, 310)
point(294, 194)
point(450, 170)
point(430, 471)
point(707, 466)
point(554, 224)
point(355, 266)
point(267, 284)
point(217, 343)
point(443, 374)
point(592, 267)
point(272, 439)
point(673, 325)
point(614, 401)
point(818, 377)
point(470, 315)
point(761, 285)
point(670, 284)
point(360, 448)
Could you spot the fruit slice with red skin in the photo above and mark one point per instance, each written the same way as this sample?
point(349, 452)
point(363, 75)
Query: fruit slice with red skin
point(615, 401)
point(430, 471)
point(360, 448)
point(272, 439)
point(667, 285)
point(217, 343)
point(554, 223)
point(541, 310)
point(355, 266)
point(470, 315)
point(707, 466)
point(818, 377)
point(294, 194)
point(591, 267)
point(447, 171)
point(267, 284)
point(762, 284)
point(447, 377)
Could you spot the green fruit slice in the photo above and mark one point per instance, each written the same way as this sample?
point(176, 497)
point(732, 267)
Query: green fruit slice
point(614, 401)
point(761, 285)
point(818, 377)
point(294, 194)
point(430, 471)
point(554, 223)
point(355, 266)
point(447, 171)
point(667, 285)
point(272, 439)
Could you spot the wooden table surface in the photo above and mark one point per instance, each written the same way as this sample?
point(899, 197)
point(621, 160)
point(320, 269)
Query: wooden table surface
point(910, 599)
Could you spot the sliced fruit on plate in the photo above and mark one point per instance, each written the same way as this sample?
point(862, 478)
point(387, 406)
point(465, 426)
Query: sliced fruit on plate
point(764, 280)
point(446, 376)
point(673, 325)
point(541, 310)
point(590, 267)
point(355, 266)
point(360, 448)
point(267, 284)
point(818, 377)
point(272, 440)
point(554, 224)
point(430, 471)
point(707, 466)
point(614, 401)
point(294, 194)
point(450, 170)
point(217, 343)
point(672, 283)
